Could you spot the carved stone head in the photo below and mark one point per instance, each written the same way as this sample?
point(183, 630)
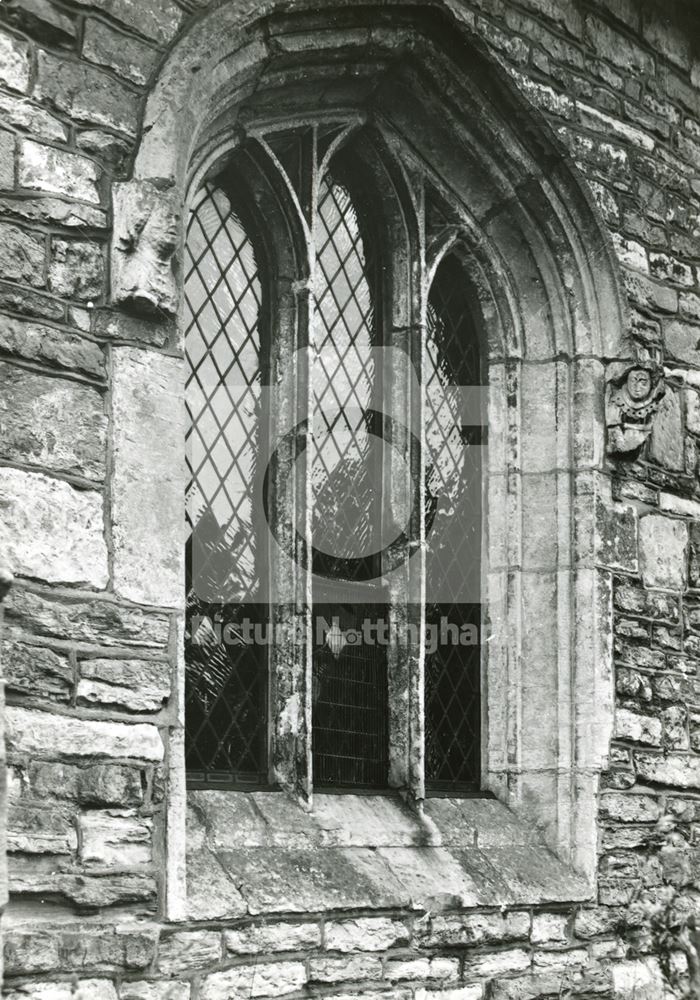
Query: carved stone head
point(632, 400)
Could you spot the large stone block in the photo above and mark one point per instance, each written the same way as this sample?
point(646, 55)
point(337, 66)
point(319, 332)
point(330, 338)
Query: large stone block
point(680, 770)
point(116, 839)
point(48, 344)
point(154, 991)
point(51, 531)
point(77, 947)
point(82, 889)
point(101, 622)
point(36, 670)
point(22, 255)
point(86, 93)
point(666, 444)
point(257, 939)
point(77, 270)
point(44, 209)
point(159, 19)
point(20, 113)
point(30, 731)
point(33, 829)
point(274, 980)
point(683, 341)
point(139, 685)
point(188, 950)
point(148, 479)
point(477, 928)
point(83, 989)
point(662, 551)
point(15, 66)
point(43, 168)
point(125, 54)
point(52, 422)
point(91, 785)
point(365, 934)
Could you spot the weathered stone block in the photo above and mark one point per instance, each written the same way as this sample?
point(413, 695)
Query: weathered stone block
point(273, 980)
point(650, 294)
point(105, 146)
point(95, 784)
point(51, 531)
point(35, 829)
point(188, 950)
point(115, 838)
point(630, 808)
point(85, 989)
point(22, 255)
point(124, 54)
point(43, 168)
point(34, 732)
point(36, 670)
point(257, 939)
point(20, 113)
point(413, 969)
point(680, 770)
point(73, 947)
point(473, 992)
point(637, 727)
point(365, 934)
point(7, 159)
point(616, 530)
point(77, 269)
point(140, 685)
point(499, 963)
point(19, 298)
point(477, 928)
point(159, 20)
point(641, 979)
point(147, 481)
point(15, 64)
point(154, 991)
point(72, 214)
point(103, 622)
point(86, 93)
point(338, 970)
point(662, 551)
point(120, 326)
point(52, 422)
point(550, 927)
point(683, 341)
point(45, 343)
point(146, 221)
point(666, 443)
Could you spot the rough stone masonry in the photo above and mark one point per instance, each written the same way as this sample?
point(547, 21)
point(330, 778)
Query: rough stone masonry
point(90, 641)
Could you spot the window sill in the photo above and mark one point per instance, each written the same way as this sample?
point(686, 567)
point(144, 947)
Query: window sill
point(261, 853)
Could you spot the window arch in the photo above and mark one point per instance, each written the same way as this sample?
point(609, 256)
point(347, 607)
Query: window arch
point(548, 302)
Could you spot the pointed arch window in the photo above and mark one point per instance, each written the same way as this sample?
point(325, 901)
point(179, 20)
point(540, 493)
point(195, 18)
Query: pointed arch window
point(347, 691)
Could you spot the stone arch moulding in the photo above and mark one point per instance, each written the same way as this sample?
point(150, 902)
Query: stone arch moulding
point(544, 284)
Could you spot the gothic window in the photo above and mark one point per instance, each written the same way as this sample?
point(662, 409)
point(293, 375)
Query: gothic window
point(367, 595)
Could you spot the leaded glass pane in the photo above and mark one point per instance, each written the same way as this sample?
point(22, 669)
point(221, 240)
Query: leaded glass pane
point(225, 687)
point(350, 684)
point(453, 516)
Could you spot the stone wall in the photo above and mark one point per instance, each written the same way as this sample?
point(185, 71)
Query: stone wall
point(90, 643)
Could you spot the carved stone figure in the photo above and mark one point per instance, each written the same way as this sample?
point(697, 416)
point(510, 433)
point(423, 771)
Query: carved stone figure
point(146, 225)
point(632, 400)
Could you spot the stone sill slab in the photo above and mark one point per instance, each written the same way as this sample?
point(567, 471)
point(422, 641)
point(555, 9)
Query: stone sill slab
point(262, 853)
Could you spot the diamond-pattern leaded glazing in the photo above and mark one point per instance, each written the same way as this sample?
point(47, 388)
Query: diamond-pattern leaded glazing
point(226, 673)
point(343, 470)
point(453, 501)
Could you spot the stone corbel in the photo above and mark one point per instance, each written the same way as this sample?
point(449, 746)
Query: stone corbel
point(146, 235)
point(632, 398)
